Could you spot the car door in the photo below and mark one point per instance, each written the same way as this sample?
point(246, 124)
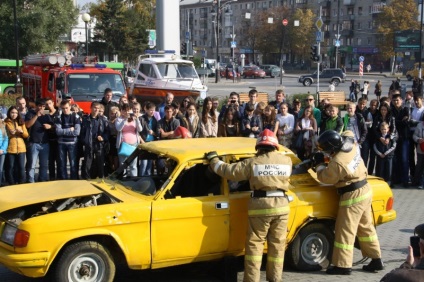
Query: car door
point(192, 221)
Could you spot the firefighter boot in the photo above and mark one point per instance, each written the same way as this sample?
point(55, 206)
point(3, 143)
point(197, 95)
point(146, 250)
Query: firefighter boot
point(339, 270)
point(374, 265)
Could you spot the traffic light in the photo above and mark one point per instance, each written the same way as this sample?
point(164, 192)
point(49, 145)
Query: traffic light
point(184, 49)
point(314, 53)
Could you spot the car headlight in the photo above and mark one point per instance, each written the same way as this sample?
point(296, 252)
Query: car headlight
point(8, 235)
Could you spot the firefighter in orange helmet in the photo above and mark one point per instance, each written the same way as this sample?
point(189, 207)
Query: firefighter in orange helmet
point(347, 171)
point(268, 173)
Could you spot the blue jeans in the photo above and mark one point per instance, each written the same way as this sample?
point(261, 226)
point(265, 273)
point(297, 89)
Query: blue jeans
point(68, 151)
point(132, 167)
point(145, 168)
point(2, 158)
point(40, 151)
point(20, 162)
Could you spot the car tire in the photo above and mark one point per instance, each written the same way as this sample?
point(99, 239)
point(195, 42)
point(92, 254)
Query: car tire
point(312, 248)
point(307, 82)
point(73, 261)
point(9, 90)
point(336, 82)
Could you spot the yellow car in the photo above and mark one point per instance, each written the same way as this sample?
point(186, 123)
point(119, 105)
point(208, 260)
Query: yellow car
point(79, 230)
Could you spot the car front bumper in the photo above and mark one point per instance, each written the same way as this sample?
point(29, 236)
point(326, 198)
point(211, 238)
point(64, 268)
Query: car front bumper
point(386, 217)
point(28, 264)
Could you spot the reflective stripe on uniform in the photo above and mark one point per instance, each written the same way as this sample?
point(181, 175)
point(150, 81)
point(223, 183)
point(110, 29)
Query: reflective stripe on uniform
point(343, 246)
point(216, 166)
point(368, 239)
point(274, 259)
point(269, 211)
point(355, 200)
point(253, 258)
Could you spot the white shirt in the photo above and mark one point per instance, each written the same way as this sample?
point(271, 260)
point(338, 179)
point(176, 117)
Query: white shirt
point(287, 121)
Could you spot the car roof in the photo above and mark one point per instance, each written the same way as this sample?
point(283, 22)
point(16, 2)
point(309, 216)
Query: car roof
point(195, 148)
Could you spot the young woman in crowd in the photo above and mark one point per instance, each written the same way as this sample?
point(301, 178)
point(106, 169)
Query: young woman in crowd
point(269, 119)
point(185, 103)
point(209, 121)
point(113, 152)
point(285, 126)
point(230, 125)
point(193, 120)
point(17, 133)
point(307, 128)
point(128, 128)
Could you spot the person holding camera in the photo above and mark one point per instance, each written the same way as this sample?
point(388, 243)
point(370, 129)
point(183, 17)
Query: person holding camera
point(347, 172)
point(412, 269)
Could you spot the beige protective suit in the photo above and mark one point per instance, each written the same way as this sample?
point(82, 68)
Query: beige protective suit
point(354, 217)
point(268, 215)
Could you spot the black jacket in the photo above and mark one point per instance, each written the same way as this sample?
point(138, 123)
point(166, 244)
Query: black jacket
point(89, 126)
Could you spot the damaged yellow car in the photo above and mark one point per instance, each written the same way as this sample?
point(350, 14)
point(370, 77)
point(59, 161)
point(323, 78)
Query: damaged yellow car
point(79, 230)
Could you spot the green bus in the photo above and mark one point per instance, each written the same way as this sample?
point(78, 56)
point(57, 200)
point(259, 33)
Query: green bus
point(115, 66)
point(8, 76)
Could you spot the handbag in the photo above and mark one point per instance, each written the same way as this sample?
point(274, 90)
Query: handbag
point(126, 149)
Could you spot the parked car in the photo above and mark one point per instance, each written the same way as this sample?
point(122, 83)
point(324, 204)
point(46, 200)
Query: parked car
point(326, 75)
point(79, 230)
point(253, 72)
point(271, 70)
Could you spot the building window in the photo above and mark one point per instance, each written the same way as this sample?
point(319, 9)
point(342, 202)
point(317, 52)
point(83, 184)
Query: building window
point(359, 26)
point(359, 10)
point(369, 40)
point(350, 11)
point(359, 41)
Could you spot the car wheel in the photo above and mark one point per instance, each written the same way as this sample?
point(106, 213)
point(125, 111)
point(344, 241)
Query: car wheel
point(9, 90)
point(307, 82)
point(408, 77)
point(312, 247)
point(335, 82)
point(85, 261)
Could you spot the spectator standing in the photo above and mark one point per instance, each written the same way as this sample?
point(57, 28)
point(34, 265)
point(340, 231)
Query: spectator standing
point(331, 87)
point(233, 101)
point(4, 143)
point(295, 110)
point(179, 116)
point(310, 102)
point(169, 98)
point(38, 124)
point(280, 97)
point(384, 148)
point(215, 105)
point(193, 120)
point(378, 90)
point(417, 115)
point(401, 163)
point(285, 126)
point(68, 127)
point(269, 119)
point(112, 157)
point(251, 124)
point(355, 122)
point(209, 121)
point(128, 127)
point(334, 122)
point(418, 138)
point(307, 127)
point(16, 149)
point(253, 95)
point(21, 106)
point(369, 121)
point(94, 136)
point(107, 101)
point(187, 101)
point(148, 134)
point(53, 145)
point(365, 89)
point(368, 68)
point(325, 114)
point(230, 125)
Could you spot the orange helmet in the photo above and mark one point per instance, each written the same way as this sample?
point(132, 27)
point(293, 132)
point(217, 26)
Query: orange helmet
point(267, 138)
point(181, 133)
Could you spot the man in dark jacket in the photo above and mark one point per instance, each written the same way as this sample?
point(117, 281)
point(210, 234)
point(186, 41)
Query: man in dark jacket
point(94, 134)
point(401, 162)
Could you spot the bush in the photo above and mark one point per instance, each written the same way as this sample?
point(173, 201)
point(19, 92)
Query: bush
point(8, 100)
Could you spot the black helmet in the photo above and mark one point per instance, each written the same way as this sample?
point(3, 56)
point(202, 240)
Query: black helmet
point(330, 141)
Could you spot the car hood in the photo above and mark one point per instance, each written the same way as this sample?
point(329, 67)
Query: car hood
point(25, 194)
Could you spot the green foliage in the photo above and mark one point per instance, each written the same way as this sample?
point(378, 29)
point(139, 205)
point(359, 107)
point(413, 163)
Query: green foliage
point(302, 37)
point(302, 98)
point(8, 100)
point(40, 23)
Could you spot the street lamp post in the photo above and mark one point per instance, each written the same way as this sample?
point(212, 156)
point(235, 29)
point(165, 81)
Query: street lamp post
point(219, 7)
point(18, 85)
point(337, 45)
point(86, 18)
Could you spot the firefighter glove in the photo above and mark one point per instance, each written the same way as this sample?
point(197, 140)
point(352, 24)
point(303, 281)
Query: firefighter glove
point(211, 155)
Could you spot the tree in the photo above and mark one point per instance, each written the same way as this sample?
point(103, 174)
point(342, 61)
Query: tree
point(121, 27)
point(40, 23)
point(399, 15)
point(302, 36)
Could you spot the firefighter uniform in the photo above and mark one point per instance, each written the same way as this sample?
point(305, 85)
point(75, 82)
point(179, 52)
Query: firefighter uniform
point(347, 171)
point(268, 209)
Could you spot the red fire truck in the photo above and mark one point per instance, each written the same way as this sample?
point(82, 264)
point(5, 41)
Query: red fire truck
point(59, 77)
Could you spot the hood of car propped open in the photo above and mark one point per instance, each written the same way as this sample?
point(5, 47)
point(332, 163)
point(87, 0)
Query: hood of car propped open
point(25, 194)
